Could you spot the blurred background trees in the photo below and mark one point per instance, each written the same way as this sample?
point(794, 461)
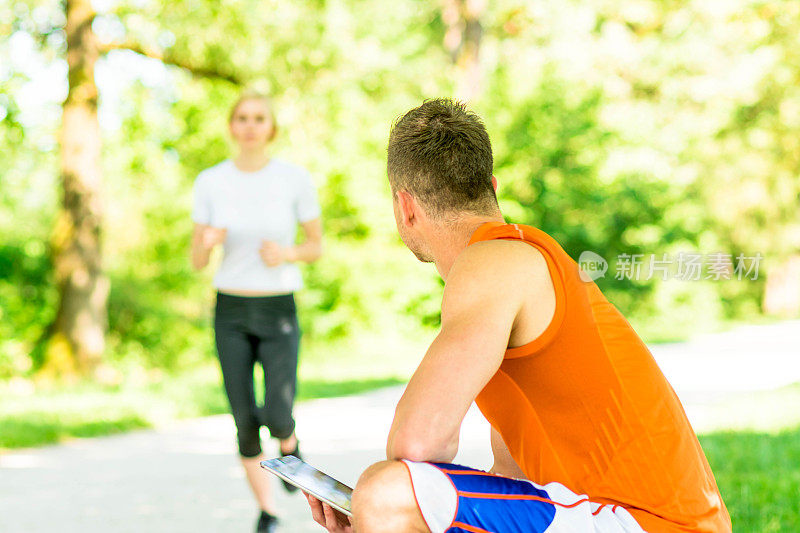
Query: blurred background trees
point(638, 127)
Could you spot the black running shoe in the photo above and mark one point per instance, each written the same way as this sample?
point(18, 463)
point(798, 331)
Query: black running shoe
point(296, 452)
point(267, 523)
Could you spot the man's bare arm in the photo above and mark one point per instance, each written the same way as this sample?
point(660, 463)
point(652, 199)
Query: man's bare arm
point(479, 308)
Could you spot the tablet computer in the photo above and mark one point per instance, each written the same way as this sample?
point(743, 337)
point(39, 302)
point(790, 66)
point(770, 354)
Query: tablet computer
point(310, 480)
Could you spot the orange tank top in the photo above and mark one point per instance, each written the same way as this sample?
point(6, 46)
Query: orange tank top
point(585, 405)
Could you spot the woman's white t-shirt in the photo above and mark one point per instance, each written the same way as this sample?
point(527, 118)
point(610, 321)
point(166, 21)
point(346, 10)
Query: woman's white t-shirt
point(255, 206)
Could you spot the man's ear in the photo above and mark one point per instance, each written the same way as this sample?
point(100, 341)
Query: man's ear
point(407, 206)
point(494, 183)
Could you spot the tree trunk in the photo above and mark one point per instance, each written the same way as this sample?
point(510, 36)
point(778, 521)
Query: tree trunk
point(77, 336)
point(462, 40)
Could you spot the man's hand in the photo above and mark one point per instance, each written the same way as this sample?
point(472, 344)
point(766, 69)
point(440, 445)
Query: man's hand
point(213, 236)
point(273, 254)
point(328, 517)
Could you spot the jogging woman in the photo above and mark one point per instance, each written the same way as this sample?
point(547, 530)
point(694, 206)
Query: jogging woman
point(252, 205)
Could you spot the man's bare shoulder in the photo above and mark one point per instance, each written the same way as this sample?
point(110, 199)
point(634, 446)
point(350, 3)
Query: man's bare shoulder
point(500, 260)
point(507, 276)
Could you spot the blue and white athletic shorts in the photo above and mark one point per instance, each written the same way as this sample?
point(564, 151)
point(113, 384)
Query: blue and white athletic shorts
point(458, 499)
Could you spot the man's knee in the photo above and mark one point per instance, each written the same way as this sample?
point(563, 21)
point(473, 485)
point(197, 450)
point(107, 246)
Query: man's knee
point(383, 500)
point(380, 482)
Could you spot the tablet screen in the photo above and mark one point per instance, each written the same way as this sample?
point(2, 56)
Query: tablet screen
point(312, 481)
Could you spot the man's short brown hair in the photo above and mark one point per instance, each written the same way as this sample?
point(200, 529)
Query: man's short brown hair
point(440, 152)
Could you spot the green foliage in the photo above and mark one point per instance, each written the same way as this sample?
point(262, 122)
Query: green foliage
point(27, 303)
point(642, 127)
point(551, 161)
point(342, 217)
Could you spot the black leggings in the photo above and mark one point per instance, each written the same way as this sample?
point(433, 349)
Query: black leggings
point(263, 329)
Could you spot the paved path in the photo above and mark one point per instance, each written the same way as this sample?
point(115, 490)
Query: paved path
point(186, 478)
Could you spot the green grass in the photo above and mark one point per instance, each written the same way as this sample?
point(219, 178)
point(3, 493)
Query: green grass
point(35, 417)
point(314, 388)
point(759, 477)
point(46, 428)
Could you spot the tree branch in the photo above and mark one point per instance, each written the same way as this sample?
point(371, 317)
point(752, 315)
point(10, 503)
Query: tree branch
point(201, 71)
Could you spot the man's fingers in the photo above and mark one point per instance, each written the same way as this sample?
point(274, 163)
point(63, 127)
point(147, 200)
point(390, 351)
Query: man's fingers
point(317, 513)
point(333, 522)
point(327, 517)
point(330, 520)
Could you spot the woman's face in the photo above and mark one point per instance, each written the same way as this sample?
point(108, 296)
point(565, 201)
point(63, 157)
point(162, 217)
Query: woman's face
point(250, 125)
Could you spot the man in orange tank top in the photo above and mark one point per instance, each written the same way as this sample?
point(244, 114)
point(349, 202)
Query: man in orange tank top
point(587, 434)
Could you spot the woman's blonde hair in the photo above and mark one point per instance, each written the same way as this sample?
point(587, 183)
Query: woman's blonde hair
point(251, 94)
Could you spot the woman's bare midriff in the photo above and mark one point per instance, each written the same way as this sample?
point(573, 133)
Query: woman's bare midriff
point(241, 292)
